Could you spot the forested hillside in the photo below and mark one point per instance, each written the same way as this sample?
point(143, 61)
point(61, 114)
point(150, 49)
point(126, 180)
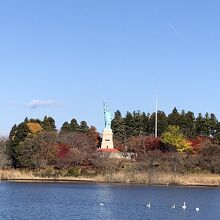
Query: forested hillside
point(186, 143)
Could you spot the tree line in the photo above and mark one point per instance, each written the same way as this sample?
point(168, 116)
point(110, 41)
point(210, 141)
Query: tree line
point(38, 144)
point(188, 141)
point(140, 123)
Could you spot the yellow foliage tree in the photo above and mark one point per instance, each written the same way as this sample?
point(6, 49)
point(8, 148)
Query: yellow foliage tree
point(175, 138)
point(34, 127)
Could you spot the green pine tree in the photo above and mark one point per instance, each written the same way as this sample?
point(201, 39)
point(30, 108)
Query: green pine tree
point(74, 127)
point(83, 127)
point(48, 124)
point(129, 125)
point(118, 126)
point(65, 127)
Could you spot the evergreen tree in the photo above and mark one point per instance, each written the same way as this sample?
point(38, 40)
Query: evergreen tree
point(11, 145)
point(48, 124)
point(174, 118)
point(83, 127)
point(34, 121)
point(188, 127)
point(213, 124)
point(118, 126)
point(202, 125)
point(17, 135)
point(137, 123)
point(218, 127)
point(129, 125)
point(65, 127)
point(187, 123)
point(146, 123)
point(161, 122)
point(26, 151)
point(74, 127)
point(13, 132)
point(22, 132)
point(199, 125)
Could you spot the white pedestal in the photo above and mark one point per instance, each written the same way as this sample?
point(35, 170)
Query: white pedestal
point(107, 139)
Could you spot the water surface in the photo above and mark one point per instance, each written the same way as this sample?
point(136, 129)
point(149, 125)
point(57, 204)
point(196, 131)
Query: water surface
point(100, 201)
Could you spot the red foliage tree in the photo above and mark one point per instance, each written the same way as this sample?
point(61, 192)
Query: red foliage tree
point(152, 143)
point(198, 143)
point(62, 150)
point(142, 144)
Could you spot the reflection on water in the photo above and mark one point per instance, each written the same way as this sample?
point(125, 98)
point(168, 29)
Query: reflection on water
point(96, 201)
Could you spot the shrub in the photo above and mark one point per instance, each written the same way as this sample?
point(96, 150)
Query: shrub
point(49, 172)
point(73, 171)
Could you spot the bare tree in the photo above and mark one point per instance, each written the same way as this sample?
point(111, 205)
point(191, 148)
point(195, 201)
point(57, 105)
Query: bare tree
point(4, 161)
point(81, 146)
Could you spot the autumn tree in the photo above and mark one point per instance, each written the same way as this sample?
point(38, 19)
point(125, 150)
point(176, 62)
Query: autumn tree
point(175, 139)
point(141, 145)
point(210, 155)
point(68, 156)
point(199, 142)
point(27, 129)
point(94, 137)
point(34, 127)
point(79, 147)
point(63, 157)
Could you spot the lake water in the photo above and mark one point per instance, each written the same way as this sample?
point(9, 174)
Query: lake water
point(99, 201)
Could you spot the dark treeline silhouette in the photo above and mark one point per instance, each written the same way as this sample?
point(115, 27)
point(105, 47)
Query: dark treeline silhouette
point(140, 123)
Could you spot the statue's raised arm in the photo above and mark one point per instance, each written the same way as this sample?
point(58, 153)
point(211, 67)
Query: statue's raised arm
point(107, 117)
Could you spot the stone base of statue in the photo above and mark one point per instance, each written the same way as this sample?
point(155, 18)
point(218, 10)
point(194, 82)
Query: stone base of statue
point(107, 149)
point(107, 139)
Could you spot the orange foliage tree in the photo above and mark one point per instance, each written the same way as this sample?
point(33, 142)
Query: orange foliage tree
point(34, 127)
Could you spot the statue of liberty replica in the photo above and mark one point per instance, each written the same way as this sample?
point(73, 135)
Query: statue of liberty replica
point(107, 135)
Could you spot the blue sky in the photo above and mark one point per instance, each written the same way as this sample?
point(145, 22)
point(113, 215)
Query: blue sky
point(65, 57)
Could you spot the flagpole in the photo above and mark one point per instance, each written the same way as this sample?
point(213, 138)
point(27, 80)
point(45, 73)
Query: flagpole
point(156, 112)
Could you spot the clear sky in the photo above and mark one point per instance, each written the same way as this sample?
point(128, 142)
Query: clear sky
point(63, 58)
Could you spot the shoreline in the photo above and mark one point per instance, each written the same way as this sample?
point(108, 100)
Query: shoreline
point(74, 181)
point(82, 180)
point(148, 179)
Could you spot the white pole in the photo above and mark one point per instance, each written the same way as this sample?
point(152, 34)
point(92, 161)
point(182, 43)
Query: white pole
point(156, 111)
